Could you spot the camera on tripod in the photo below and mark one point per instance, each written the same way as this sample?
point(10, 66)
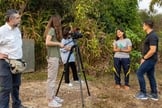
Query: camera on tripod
point(72, 36)
point(76, 34)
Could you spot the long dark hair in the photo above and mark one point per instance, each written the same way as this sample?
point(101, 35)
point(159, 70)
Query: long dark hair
point(66, 31)
point(122, 30)
point(55, 22)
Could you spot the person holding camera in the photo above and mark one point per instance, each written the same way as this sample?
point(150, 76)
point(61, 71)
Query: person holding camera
point(122, 48)
point(68, 42)
point(53, 34)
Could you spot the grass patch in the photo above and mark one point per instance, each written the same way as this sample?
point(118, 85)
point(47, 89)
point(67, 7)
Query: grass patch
point(42, 75)
point(33, 76)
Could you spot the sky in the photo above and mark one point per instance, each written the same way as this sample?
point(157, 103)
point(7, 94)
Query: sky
point(144, 4)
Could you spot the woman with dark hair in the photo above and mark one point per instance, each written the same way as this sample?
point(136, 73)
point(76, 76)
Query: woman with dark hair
point(122, 48)
point(53, 34)
point(68, 41)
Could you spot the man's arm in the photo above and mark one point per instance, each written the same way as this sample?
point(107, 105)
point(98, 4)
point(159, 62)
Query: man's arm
point(149, 53)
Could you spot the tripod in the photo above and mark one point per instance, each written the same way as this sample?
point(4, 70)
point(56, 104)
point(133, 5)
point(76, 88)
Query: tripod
point(80, 69)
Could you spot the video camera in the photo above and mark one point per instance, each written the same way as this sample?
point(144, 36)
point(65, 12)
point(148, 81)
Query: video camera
point(76, 34)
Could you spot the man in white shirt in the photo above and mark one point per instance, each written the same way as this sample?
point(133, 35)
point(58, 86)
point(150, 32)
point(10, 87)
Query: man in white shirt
point(10, 48)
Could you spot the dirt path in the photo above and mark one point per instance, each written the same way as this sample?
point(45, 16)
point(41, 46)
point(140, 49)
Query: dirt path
point(33, 95)
point(103, 94)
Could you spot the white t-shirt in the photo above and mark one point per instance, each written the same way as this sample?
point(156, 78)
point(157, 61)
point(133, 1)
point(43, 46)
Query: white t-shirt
point(10, 42)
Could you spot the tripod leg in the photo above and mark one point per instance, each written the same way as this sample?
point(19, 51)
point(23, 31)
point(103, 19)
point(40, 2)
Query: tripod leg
point(81, 63)
point(79, 75)
point(81, 90)
point(86, 83)
point(60, 83)
point(65, 69)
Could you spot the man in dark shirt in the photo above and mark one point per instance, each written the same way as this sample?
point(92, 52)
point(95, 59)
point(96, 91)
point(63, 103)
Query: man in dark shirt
point(148, 62)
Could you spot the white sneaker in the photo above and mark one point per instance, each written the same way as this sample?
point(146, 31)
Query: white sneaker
point(70, 84)
point(54, 103)
point(79, 82)
point(58, 99)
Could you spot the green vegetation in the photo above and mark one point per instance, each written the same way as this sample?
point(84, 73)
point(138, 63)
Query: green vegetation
point(97, 19)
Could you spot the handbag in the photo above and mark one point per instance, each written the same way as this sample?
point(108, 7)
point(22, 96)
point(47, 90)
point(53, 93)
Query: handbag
point(17, 66)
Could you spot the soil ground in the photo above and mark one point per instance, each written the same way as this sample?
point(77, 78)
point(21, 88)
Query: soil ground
point(103, 93)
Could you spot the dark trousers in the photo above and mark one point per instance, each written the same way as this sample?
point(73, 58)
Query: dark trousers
point(9, 84)
point(16, 81)
point(121, 63)
point(74, 71)
point(147, 67)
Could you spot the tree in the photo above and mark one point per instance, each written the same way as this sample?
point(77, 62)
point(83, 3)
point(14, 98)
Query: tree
point(97, 20)
point(155, 2)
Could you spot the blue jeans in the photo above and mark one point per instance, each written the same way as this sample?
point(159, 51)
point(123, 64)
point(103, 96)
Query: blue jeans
point(147, 67)
point(121, 63)
point(16, 82)
point(9, 84)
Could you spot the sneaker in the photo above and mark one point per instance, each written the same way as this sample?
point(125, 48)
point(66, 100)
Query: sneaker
point(77, 81)
point(141, 96)
point(154, 96)
point(58, 99)
point(54, 103)
point(70, 84)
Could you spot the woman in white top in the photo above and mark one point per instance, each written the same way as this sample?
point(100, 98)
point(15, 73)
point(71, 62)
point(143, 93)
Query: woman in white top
point(68, 42)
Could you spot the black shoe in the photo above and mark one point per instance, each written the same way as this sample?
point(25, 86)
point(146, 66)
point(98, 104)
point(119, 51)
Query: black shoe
point(154, 96)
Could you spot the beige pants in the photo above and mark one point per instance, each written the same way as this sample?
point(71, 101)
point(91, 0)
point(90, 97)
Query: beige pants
point(53, 65)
